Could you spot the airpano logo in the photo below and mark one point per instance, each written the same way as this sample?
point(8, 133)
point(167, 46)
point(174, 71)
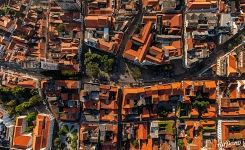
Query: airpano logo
point(228, 143)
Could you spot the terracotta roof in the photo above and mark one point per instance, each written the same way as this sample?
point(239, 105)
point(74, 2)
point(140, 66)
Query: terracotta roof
point(232, 65)
point(28, 84)
point(144, 33)
point(174, 20)
point(19, 139)
point(41, 132)
point(97, 21)
point(203, 4)
point(142, 132)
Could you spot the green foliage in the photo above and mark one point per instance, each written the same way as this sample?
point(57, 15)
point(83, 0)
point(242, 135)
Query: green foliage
point(11, 103)
point(19, 109)
point(19, 91)
point(4, 10)
point(200, 103)
point(63, 130)
point(57, 142)
point(74, 144)
point(92, 70)
point(181, 143)
point(75, 137)
point(209, 129)
point(61, 27)
point(136, 72)
point(29, 129)
point(135, 143)
point(167, 126)
point(189, 140)
point(31, 116)
point(98, 65)
point(34, 91)
point(34, 100)
point(107, 63)
point(68, 73)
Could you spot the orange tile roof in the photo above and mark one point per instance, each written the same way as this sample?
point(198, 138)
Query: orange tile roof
point(233, 92)
point(28, 84)
point(194, 112)
point(97, 21)
point(232, 66)
point(19, 139)
point(142, 132)
point(190, 43)
point(203, 4)
point(110, 47)
point(41, 132)
point(211, 112)
point(150, 2)
point(22, 142)
point(226, 134)
point(209, 84)
point(145, 32)
point(175, 20)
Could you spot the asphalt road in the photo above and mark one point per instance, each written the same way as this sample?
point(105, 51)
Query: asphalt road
point(131, 28)
point(17, 68)
point(221, 50)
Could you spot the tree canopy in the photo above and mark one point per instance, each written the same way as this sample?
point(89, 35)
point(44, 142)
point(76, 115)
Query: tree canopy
point(98, 66)
point(181, 143)
point(136, 72)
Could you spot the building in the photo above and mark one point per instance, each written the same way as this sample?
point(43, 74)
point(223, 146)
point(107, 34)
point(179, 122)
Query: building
point(63, 97)
point(197, 5)
point(94, 135)
point(100, 102)
point(21, 140)
point(6, 130)
point(198, 134)
point(89, 136)
point(43, 132)
point(69, 4)
point(232, 130)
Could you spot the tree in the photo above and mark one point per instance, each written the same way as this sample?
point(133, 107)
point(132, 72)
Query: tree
point(34, 100)
point(61, 27)
point(103, 75)
point(68, 73)
point(200, 103)
point(136, 72)
point(57, 142)
point(92, 70)
point(135, 143)
point(34, 92)
point(181, 143)
point(31, 116)
point(107, 63)
point(92, 58)
point(12, 103)
point(29, 129)
point(74, 144)
point(19, 109)
point(19, 92)
point(75, 137)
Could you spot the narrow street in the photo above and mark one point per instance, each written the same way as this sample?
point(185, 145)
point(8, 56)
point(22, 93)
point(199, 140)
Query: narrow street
point(221, 50)
point(131, 28)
